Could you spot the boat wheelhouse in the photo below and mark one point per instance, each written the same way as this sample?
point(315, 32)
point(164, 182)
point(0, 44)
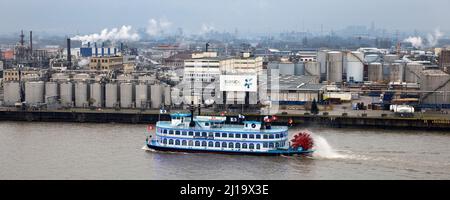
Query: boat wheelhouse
point(210, 134)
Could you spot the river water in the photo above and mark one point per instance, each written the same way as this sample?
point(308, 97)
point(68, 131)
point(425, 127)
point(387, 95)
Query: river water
point(115, 151)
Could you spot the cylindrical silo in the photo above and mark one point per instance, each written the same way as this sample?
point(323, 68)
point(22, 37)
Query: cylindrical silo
point(287, 68)
point(81, 95)
point(156, 96)
point(312, 69)
point(66, 93)
point(34, 92)
point(396, 72)
point(167, 95)
point(141, 95)
point(51, 92)
point(126, 95)
point(386, 71)
point(412, 72)
point(97, 95)
point(375, 72)
point(11, 93)
point(272, 65)
point(437, 83)
point(111, 95)
point(334, 70)
point(322, 59)
point(300, 69)
point(355, 66)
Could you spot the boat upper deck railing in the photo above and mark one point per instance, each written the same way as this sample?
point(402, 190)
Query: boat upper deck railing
point(225, 127)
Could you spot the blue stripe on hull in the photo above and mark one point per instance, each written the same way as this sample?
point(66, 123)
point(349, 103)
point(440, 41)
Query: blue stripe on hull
point(269, 153)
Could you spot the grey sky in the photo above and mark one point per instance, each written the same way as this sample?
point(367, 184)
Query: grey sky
point(86, 16)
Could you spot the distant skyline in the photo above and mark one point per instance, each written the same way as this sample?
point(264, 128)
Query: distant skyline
point(197, 16)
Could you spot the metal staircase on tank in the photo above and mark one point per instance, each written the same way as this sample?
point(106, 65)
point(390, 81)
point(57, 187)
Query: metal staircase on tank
point(438, 88)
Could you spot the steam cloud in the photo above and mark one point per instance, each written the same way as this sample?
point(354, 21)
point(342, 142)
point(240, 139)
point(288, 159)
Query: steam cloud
point(432, 40)
point(157, 27)
point(415, 41)
point(125, 33)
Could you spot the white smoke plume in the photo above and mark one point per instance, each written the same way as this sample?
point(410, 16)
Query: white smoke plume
point(125, 33)
point(431, 41)
point(157, 27)
point(415, 41)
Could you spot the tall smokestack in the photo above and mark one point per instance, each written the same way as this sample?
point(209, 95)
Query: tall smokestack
point(89, 44)
point(207, 47)
point(21, 38)
point(96, 50)
point(31, 41)
point(69, 53)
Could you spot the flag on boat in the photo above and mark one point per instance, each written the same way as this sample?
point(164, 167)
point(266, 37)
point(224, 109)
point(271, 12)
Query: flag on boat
point(149, 127)
point(267, 119)
point(233, 119)
point(241, 116)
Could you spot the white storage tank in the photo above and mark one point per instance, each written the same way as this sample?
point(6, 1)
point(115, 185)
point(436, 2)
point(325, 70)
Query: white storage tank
point(355, 66)
point(11, 93)
point(142, 95)
point(300, 69)
point(287, 68)
point(167, 95)
point(126, 95)
point(312, 69)
point(51, 92)
point(335, 67)
point(375, 72)
point(34, 92)
point(322, 58)
point(396, 72)
point(412, 72)
point(156, 96)
point(96, 95)
point(111, 95)
point(81, 95)
point(66, 93)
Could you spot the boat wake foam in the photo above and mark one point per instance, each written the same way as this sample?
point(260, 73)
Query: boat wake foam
point(323, 150)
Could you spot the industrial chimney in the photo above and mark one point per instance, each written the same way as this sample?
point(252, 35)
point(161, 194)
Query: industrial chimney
point(96, 50)
point(31, 41)
point(207, 47)
point(69, 54)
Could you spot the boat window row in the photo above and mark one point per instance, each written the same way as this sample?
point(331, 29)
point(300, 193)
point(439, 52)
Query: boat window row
point(223, 135)
point(231, 145)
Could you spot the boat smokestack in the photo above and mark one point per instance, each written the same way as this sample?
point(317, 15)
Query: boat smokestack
point(192, 123)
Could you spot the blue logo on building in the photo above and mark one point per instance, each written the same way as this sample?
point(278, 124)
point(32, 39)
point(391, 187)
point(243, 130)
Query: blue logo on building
point(248, 83)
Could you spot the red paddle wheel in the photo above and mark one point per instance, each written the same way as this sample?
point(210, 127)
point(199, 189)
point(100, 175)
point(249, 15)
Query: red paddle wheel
point(304, 140)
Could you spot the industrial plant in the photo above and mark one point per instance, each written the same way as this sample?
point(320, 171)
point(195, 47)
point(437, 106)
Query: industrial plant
point(136, 77)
